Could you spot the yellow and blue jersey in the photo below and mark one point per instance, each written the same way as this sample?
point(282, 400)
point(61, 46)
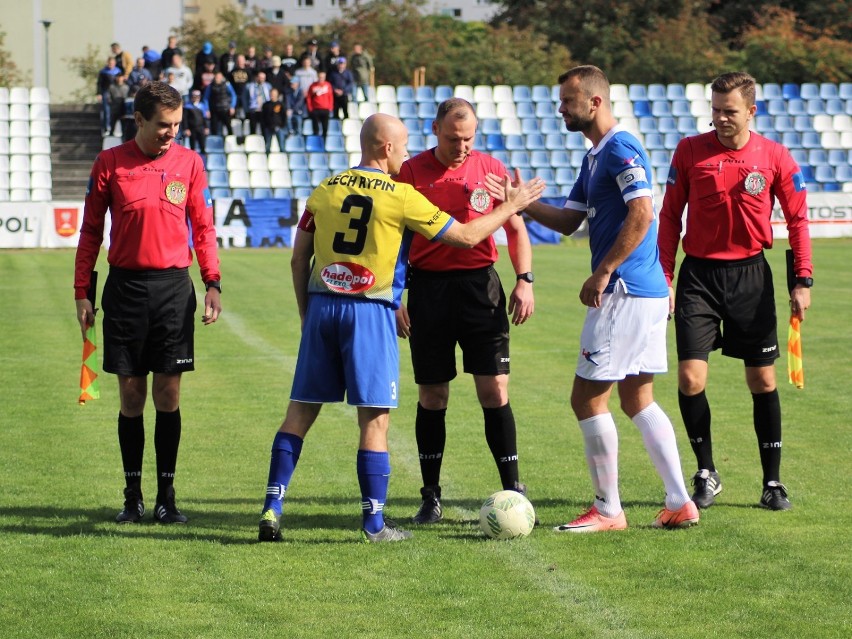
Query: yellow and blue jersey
point(363, 223)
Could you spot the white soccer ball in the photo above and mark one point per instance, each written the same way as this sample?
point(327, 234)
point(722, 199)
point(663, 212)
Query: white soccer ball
point(507, 515)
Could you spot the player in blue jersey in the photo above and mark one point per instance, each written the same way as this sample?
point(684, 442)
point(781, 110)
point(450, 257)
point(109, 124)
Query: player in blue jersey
point(623, 339)
point(348, 269)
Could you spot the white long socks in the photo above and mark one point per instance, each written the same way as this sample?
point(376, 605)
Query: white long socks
point(601, 447)
point(659, 439)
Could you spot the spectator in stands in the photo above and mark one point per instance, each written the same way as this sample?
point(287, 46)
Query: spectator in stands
point(128, 121)
point(254, 95)
point(118, 92)
point(276, 75)
point(251, 58)
point(306, 75)
point(311, 52)
point(265, 63)
point(273, 120)
point(239, 77)
point(361, 65)
point(182, 80)
point(289, 60)
point(221, 99)
point(320, 101)
point(153, 62)
point(296, 108)
point(206, 77)
point(123, 60)
point(138, 74)
point(204, 55)
point(195, 121)
point(228, 60)
point(166, 57)
point(343, 85)
point(329, 62)
point(106, 78)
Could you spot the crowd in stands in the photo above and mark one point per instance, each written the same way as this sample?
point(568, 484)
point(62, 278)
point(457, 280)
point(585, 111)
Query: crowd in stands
point(269, 94)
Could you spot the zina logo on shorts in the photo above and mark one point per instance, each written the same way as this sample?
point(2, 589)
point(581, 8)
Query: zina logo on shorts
point(346, 277)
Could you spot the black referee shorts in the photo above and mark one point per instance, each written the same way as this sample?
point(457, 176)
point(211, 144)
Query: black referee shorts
point(148, 322)
point(467, 308)
point(728, 305)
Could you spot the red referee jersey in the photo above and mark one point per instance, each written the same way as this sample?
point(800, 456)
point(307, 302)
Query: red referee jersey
point(730, 194)
point(152, 204)
point(461, 193)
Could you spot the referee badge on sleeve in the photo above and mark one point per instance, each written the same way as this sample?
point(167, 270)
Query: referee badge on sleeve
point(754, 183)
point(176, 192)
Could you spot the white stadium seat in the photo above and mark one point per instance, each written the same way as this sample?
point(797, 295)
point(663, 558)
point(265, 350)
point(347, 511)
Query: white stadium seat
point(19, 95)
point(39, 112)
point(40, 180)
point(40, 129)
point(237, 162)
point(39, 95)
point(41, 195)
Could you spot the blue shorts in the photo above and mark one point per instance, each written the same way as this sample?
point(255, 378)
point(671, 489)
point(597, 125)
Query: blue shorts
point(348, 346)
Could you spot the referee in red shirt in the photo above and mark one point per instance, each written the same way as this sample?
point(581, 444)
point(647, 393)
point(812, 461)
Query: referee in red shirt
point(155, 191)
point(730, 179)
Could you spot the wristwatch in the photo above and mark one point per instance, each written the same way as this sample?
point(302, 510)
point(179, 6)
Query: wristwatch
point(527, 277)
point(213, 284)
point(805, 281)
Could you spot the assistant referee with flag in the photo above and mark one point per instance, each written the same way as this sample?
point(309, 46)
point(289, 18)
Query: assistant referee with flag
point(730, 178)
point(155, 191)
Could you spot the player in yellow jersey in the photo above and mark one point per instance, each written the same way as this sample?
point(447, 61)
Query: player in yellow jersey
point(348, 265)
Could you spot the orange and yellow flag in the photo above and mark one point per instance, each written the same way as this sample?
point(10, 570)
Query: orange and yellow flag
point(89, 385)
point(795, 372)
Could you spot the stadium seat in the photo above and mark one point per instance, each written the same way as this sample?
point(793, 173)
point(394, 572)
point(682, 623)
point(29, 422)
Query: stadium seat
point(809, 90)
point(824, 173)
point(797, 107)
point(815, 106)
point(443, 92)
point(40, 180)
point(238, 179)
point(842, 122)
point(407, 110)
point(686, 126)
point(366, 109)
point(301, 178)
point(835, 106)
point(560, 158)
point(671, 140)
point(424, 94)
point(427, 111)
point(575, 140)
point(19, 195)
point(675, 91)
point(294, 144)
point(551, 125)
point(501, 155)
point(282, 193)
point(237, 162)
point(340, 161)
point(41, 195)
point(811, 140)
point(486, 110)
point(534, 141)
point(335, 143)
point(654, 141)
point(40, 145)
point(230, 144)
point(771, 91)
point(19, 129)
point(217, 179)
point(803, 123)
point(39, 95)
point(667, 124)
point(298, 161)
point(656, 92)
point(827, 90)
point(776, 106)
point(261, 193)
point(502, 93)
point(19, 145)
point(255, 144)
point(390, 108)
point(19, 95)
point(510, 126)
point(844, 91)
point(489, 126)
point(782, 124)
point(618, 93)
point(507, 110)
point(541, 93)
point(19, 162)
point(694, 91)
point(554, 142)
point(836, 140)
point(681, 108)
point(385, 93)
point(642, 108)
point(660, 158)
point(564, 175)
point(314, 144)
point(521, 93)
point(526, 172)
point(280, 178)
point(648, 124)
point(257, 162)
point(815, 157)
point(843, 173)
point(540, 158)
point(790, 91)
point(216, 162)
point(404, 93)
point(514, 142)
point(242, 193)
point(483, 93)
point(38, 112)
point(637, 92)
point(519, 159)
point(317, 161)
point(545, 110)
point(545, 173)
point(835, 157)
point(464, 91)
point(700, 108)
point(530, 125)
point(277, 161)
point(791, 139)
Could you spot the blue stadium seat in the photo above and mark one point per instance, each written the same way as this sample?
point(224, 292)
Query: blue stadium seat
point(783, 123)
point(514, 142)
point(648, 124)
point(489, 126)
point(519, 159)
point(667, 125)
point(686, 125)
point(637, 92)
point(217, 179)
point(220, 193)
point(417, 143)
point(843, 173)
point(577, 157)
point(412, 124)
point(654, 141)
point(681, 108)
point(260, 193)
point(800, 156)
point(797, 107)
point(318, 175)
point(815, 106)
point(771, 91)
point(295, 144)
point(545, 109)
point(526, 172)
point(844, 91)
point(828, 90)
point(560, 158)
point(495, 142)
point(335, 143)
point(839, 157)
point(564, 175)
point(772, 135)
point(789, 91)
point(534, 141)
point(761, 107)
point(776, 106)
point(443, 92)
point(300, 177)
point(764, 123)
point(317, 161)
point(530, 125)
point(541, 93)
point(501, 155)
point(791, 139)
point(539, 158)
point(552, 191)
point(660, 158)
point(554, 94)
point(803, 123)
point(216, 162)
point(656, 92)
point(554, 141)
point(811, 140)
point(521, 93)
point(302, 192)
point(545, 173)
point(282, 193)
point(661, 108)
point(670, 140)
point(407, 110)
point(340, 161)
point(675, 92)
point(835, 106)
point(215, 144)
point(575, 141)
point(405, 93)
point(834, 187)
point(525, 110)
point(427, 110)
point(809, 90)
point(824, 173)
point(241, 194)
point(552, 125)
point(314, 144)
point(815, 157)
point(641, 108)
point(298, 161)
point(424, 94)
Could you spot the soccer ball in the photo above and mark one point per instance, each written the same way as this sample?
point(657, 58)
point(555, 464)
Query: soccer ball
point(506, 515)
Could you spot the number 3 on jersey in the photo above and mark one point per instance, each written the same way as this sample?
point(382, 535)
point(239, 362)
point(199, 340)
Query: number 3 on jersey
point(359, 224)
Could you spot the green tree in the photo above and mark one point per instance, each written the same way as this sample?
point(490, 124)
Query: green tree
point(86, 66)
point(10, 75)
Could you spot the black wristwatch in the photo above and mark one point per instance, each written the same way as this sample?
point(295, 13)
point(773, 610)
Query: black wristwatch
point(807, 282)
point(213, 284)
point(527, 277)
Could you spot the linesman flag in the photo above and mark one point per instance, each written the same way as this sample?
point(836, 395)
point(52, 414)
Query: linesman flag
point(89, 385)
point(795, 370)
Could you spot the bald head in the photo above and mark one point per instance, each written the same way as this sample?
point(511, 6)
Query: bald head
point(383, 142)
